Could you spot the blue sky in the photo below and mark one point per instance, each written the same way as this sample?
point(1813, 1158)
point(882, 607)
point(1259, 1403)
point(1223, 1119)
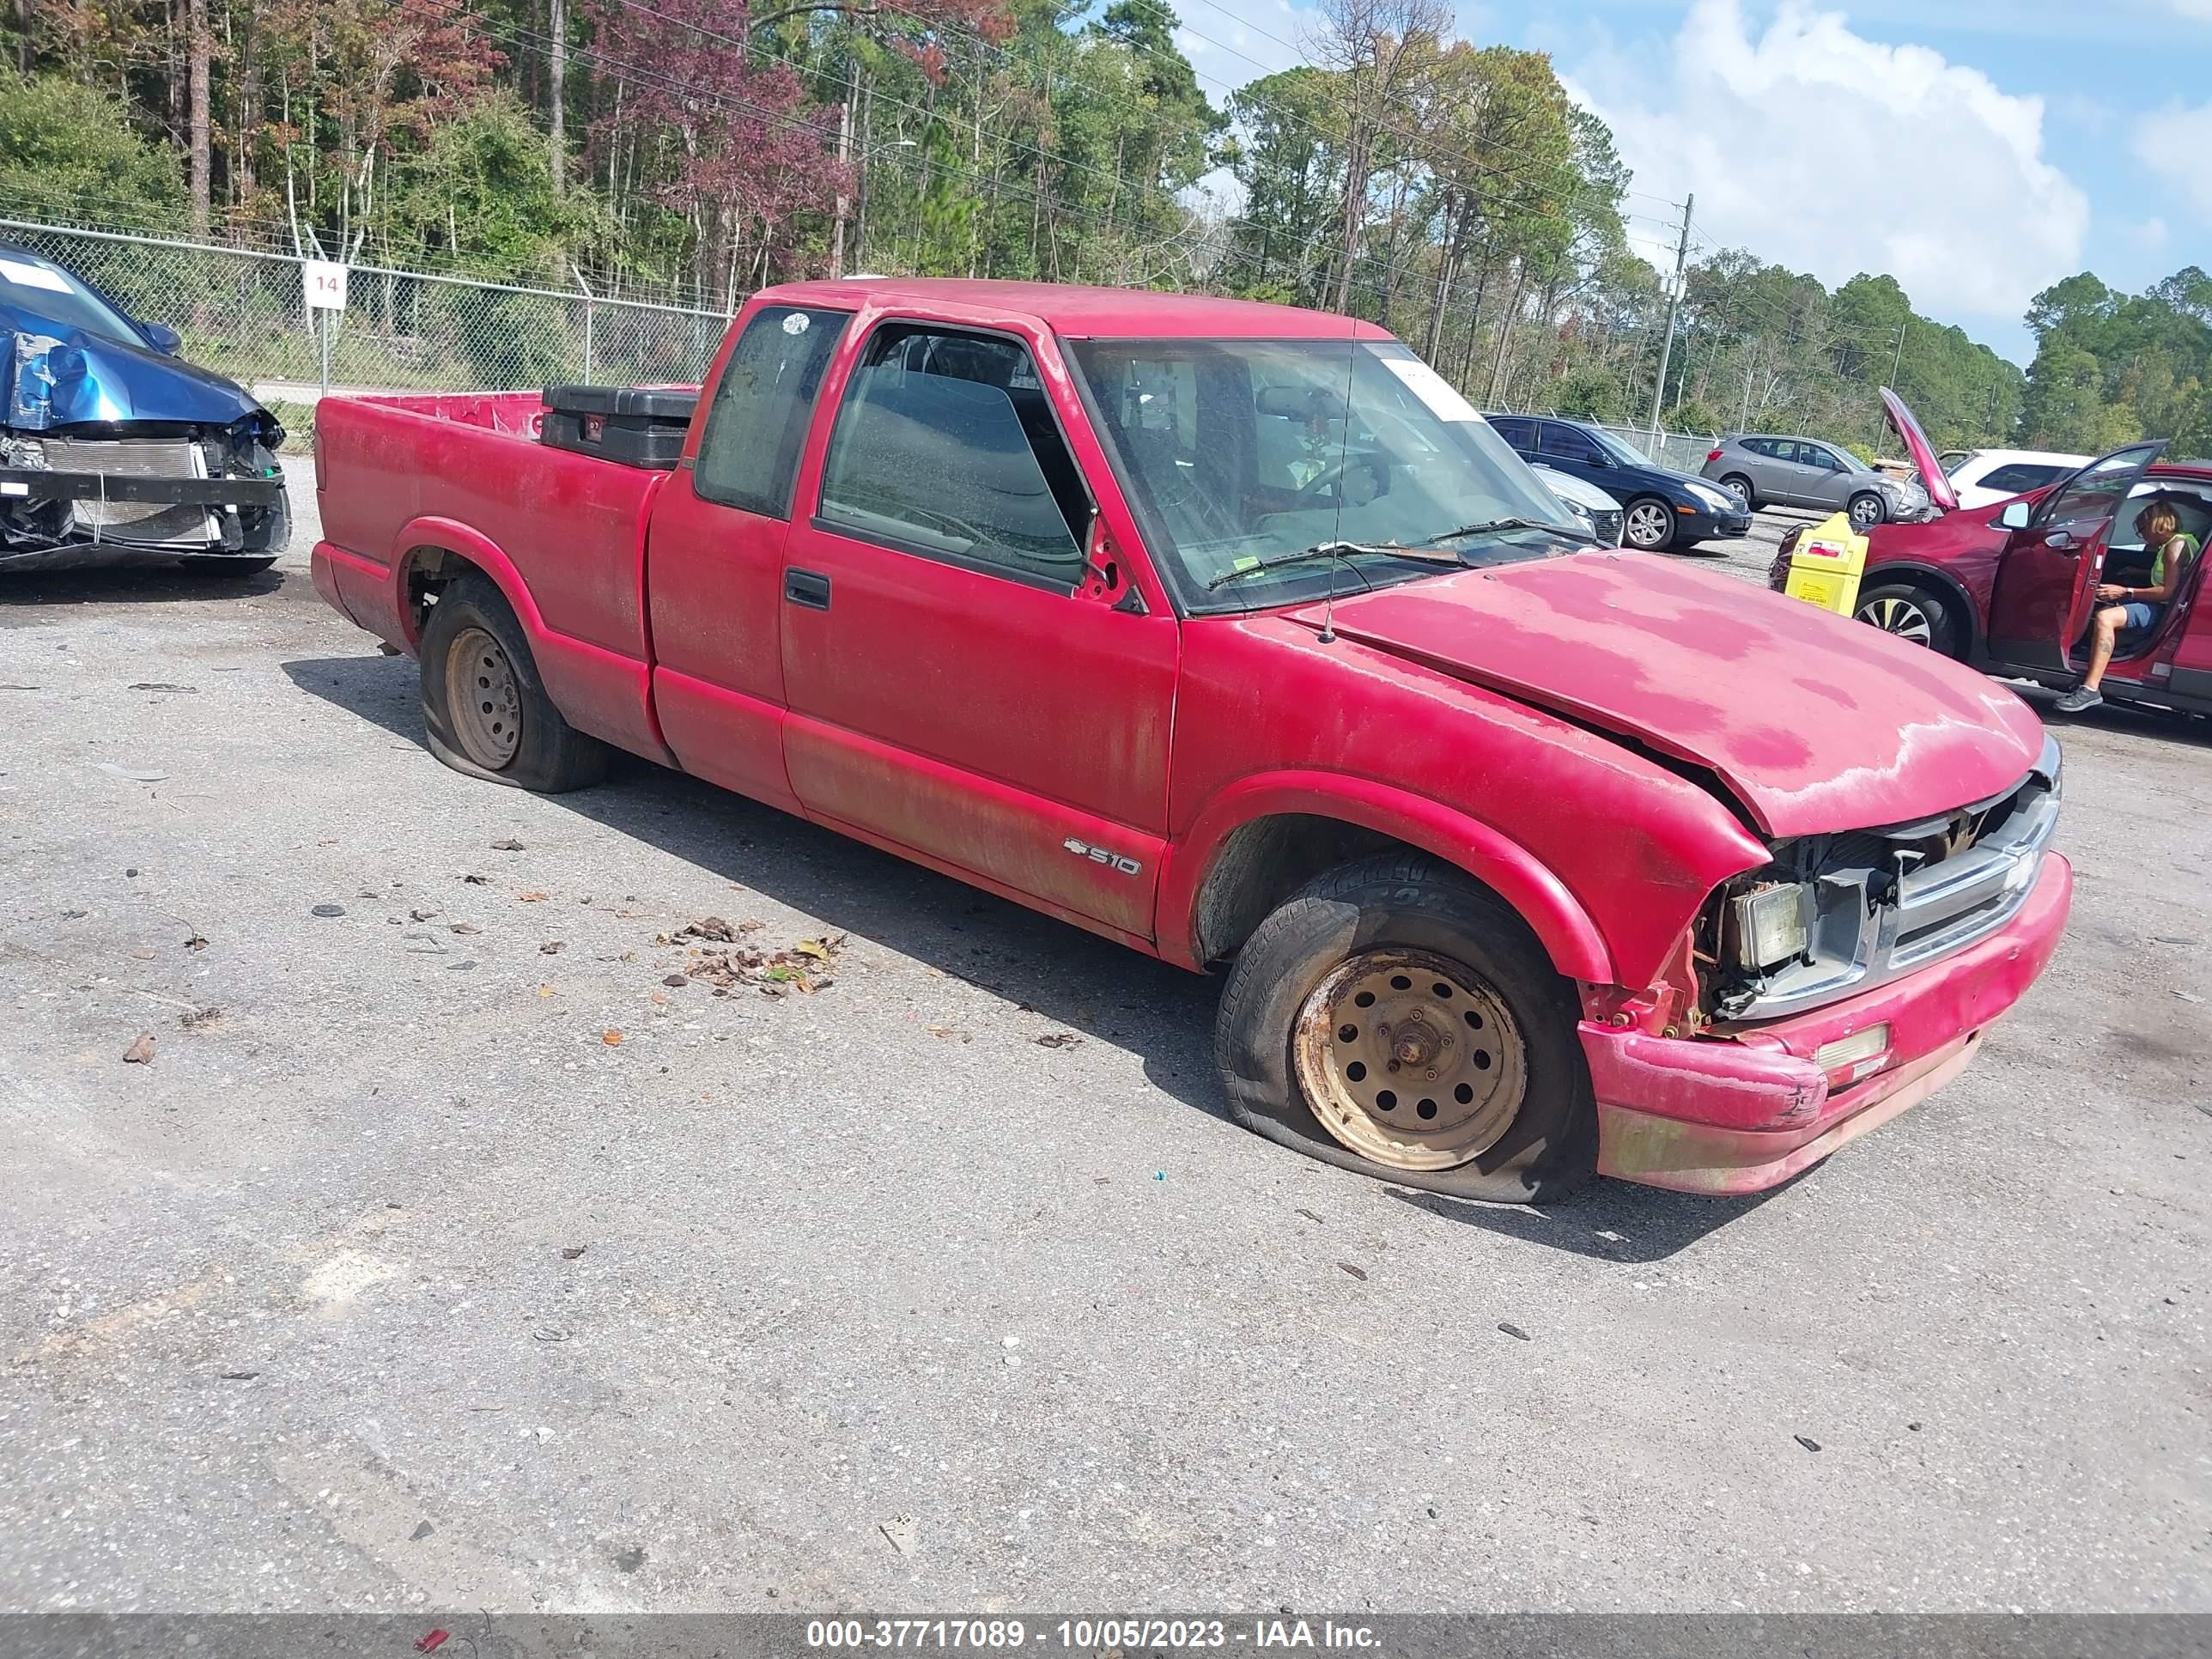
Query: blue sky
point(1976, 150)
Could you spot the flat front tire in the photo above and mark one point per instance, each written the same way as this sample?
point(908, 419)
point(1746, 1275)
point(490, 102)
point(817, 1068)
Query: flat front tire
point(1395, 1018)
point(486, 708)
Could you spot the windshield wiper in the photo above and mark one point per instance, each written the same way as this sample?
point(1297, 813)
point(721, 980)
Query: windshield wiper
point(1333, 551)
point(1492, 526)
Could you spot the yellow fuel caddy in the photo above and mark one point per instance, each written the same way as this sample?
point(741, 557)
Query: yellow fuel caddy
point(1826, 568)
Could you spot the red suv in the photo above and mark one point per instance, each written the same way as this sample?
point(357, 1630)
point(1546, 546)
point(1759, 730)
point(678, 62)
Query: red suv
point(2010, 588)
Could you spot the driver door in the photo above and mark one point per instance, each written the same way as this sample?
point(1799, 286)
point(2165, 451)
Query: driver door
point(2048, 572)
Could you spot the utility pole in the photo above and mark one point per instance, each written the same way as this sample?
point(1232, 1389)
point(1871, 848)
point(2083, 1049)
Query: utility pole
point(1897, 362)
point(1674, 305)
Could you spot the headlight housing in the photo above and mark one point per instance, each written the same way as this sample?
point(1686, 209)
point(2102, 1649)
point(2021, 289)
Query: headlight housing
point(1713, 501)
point(1770, 926)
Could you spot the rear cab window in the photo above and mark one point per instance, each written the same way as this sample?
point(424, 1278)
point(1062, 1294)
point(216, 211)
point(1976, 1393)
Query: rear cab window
point(763, 405)
point(947, 446)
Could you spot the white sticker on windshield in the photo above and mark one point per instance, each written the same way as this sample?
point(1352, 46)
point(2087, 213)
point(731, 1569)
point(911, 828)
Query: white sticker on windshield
point(1432, 388)
point(796, 323)
point(16, 271)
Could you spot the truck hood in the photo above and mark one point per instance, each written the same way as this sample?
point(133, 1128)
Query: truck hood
point(58, 376)
point(1814, 723)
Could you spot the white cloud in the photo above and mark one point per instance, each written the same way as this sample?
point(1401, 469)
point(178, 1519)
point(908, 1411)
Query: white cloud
point(1827, 152)
point(2151, 236)
point(2173, 143)
point(2199, 10)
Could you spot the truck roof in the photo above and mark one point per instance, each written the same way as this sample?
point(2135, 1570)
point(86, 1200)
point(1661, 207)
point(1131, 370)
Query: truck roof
point(1082, 312)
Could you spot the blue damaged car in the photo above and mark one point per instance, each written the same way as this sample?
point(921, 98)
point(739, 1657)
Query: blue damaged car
point(113, 451)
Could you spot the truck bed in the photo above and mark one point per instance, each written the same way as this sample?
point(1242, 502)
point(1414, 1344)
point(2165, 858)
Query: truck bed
point(563, 533)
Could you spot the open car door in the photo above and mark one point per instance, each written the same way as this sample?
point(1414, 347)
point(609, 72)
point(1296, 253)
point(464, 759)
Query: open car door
point(1933, 478)
point(2048, 572)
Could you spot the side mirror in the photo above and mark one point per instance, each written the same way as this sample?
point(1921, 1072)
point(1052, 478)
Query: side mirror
point(2015, 515)
point(163, 339)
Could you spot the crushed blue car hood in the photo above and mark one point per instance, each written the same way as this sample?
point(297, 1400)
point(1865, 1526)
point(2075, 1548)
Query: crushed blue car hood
point(57, 376)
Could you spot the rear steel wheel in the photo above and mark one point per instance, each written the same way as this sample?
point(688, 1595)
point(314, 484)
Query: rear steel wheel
point(1410, 1059)
point(486, 701)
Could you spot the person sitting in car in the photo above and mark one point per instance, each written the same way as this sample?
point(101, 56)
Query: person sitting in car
point(2135, 609)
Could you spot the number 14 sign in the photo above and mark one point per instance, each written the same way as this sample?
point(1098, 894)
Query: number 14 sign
point(325, 284)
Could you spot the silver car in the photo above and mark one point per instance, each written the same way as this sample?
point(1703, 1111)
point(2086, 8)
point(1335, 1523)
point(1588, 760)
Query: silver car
point(1762, 470)
point(1592, 508)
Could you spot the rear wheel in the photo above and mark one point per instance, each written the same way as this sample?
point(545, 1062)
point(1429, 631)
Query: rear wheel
point(1912, 613)
point(1740, 486)
point(1867, 509)
point(485, 707)
point(1394, 1018)
point(1649, 525)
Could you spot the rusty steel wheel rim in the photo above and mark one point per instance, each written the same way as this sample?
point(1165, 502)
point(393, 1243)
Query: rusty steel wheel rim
point(1411, 1059)
point(485, 699)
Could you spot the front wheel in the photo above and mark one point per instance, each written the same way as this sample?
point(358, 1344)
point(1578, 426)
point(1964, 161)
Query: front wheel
point(1740, 486)
point(486, 708)
point(1912, 613)
point(1867, 510)
point(1394, 1018)
point(1649, 525)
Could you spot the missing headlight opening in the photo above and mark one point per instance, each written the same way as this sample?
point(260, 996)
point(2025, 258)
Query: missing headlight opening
point(1835, 914)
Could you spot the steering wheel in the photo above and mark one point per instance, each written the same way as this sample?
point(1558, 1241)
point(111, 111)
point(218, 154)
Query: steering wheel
point(1341, 479)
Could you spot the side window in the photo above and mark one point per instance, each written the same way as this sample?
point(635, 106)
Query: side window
point(1812, 455)
point(1783, 450)
point(2019, 477)
point(945, 446)
point(2096, 491)
point(1761, 446)
point(1518, 432)
point(1569, 445)
point(757, 423)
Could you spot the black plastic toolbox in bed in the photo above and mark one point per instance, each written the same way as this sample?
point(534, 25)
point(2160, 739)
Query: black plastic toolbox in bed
point(637, 426)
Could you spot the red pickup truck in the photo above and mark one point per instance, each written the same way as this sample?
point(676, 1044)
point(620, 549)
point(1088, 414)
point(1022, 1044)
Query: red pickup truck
point(1232, 632)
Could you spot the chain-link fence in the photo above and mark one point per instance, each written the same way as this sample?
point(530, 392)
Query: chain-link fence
point(244, 314)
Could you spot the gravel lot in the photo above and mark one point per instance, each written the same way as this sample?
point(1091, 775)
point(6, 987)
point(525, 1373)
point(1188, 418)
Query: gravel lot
point(396, 1280)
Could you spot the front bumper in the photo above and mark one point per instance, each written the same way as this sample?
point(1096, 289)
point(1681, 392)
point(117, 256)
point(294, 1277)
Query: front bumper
point(1746, 1109)
point(1707, 524)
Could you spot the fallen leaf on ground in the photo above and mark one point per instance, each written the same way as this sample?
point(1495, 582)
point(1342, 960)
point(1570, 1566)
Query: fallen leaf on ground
point(798, 968)
point(612, 1038)
point(509, 844)
point(199, 1019)
point(141, 1051)
point(195, 943)
point(1058, 1040)
point(1357, 1272)
point(714, 931)
point(465, 927)
point(1806, 1442)
point(421, 915)
point(533, 898)
point(478, 881)
point(569, 1253)
point(553, 947)
point(157, 685)
point(676, 980)
point(1513, 1331)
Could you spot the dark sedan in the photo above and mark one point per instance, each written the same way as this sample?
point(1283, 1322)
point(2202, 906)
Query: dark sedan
point(1661, 508)
point(112, 450)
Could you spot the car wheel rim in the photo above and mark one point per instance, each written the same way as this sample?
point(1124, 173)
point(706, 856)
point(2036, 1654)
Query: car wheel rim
point(1410, 1060)
point(1865, 512)
point(1647, 525)
point(1902, 617)
point(1741, 491)
point(485, 699)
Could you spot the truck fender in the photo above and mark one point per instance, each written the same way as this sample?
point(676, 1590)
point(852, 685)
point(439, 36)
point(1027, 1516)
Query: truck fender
point(451, 536)
point(1560, 924)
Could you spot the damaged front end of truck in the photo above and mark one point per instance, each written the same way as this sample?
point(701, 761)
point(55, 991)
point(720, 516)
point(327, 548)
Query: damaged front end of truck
point(112, 452)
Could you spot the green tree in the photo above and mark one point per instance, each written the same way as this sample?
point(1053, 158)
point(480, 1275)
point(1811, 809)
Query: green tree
point(69, 150)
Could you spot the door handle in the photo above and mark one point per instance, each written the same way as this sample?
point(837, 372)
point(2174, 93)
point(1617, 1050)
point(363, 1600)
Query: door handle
point(807, 587)
point(2059, 542)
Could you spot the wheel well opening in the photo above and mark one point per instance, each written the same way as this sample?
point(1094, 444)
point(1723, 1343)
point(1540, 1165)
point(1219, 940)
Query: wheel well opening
point(430, 571)
point(1263, 863)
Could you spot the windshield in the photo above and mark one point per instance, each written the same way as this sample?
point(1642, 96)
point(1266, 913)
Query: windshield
point(1623, 451)
point(44, 291)
point(1241, 454)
